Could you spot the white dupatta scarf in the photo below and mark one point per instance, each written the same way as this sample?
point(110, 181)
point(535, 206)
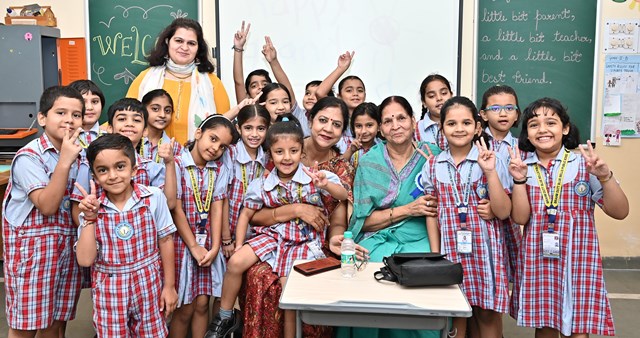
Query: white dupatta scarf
point(201, 102)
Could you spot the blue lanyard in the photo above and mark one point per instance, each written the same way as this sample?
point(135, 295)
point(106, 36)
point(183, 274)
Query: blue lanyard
point(461, 203)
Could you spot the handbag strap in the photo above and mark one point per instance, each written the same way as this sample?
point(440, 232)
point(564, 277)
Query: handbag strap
point(384, 273)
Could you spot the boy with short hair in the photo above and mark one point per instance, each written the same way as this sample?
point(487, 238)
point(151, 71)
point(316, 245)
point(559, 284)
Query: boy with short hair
point(123, 231)
point(42, 277)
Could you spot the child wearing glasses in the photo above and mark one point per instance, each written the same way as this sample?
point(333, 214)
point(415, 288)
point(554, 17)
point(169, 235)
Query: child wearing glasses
point(499, 114)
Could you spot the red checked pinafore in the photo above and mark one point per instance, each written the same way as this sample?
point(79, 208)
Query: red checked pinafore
point(485, 281)
point(42, 276)
point(541, 286)
point(126, 274)
point(286, 241)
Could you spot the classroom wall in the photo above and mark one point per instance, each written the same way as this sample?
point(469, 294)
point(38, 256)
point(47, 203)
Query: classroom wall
point(617, 238)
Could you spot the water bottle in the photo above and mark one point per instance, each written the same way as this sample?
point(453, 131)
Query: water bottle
point(348, 256)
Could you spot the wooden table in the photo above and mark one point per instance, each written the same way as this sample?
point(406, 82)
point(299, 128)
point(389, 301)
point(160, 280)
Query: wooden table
point(329, 299)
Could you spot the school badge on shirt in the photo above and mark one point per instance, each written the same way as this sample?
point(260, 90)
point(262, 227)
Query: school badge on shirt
point(315, 198)
point(419, 190)
point(482, 191)
point(581, 188)
point(66, 204)
point(124, 231)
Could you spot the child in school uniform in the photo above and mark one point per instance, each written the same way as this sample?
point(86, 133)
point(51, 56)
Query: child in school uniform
point(246, 161)
point(500, 112)
point(125, 234)
point(199, 213)
point(561, 287)
point(42, 277)
point(282, 243)
point(435, 90)
point(460, 177)
point(93, 103)
point(159, 106)
point(364, 124)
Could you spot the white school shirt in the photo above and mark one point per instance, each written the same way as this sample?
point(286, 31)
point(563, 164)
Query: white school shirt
point(29, 172)
point(221, 178)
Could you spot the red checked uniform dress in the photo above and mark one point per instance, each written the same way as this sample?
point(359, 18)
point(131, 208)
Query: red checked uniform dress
point(282, 243)
point(198, 280)
point(427, 130)
point(242, 170)
point(150, 152)
point(512, 232)
point(42, 277)
point(567, 293)
point(485, 282)
point(126, 275)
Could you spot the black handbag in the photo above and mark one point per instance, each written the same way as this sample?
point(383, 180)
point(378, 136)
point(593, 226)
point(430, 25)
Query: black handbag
point(420, 269)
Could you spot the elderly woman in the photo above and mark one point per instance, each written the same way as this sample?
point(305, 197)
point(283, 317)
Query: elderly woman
point(180, 65)
point(389, 206)
point(262, 317)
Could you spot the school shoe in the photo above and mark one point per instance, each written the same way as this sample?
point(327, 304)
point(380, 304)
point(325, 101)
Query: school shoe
point(220, 328)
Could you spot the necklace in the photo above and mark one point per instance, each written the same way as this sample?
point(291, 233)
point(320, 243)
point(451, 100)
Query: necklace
point(183, 77)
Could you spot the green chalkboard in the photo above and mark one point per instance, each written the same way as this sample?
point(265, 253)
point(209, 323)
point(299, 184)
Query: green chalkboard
point(540, 48)
point(121, 34)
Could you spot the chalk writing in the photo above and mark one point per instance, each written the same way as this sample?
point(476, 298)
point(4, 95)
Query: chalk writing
point(540, 48)
point(564, 14)
point(99, 71)
point(145, 12)
point(125, 75)
point(108, 25)
point(109, 45)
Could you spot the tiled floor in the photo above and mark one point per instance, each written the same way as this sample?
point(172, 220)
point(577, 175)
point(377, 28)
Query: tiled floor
point(623, 287)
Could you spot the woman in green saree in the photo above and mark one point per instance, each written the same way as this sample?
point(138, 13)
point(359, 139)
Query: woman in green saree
point(389, 204)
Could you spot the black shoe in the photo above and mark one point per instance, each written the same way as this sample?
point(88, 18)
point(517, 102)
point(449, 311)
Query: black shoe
point(220, 328)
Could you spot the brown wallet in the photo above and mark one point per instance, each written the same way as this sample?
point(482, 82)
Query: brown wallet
point(317, 266)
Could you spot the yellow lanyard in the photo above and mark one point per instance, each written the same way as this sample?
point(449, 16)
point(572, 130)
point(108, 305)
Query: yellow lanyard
point(552, 204)
point(281, 193)
point(256, 173)
point(284, 201)
point(84, 144)
point(355, 159)
point(144, 139)
point(203, 210)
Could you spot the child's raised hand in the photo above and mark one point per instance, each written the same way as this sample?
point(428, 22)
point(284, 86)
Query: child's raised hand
point(344, 60)
point(168, 300)
point(356, 144)
point(517, 168)
point(268, 50)
point(421, 152)
point(240, 38)
point(70, 148)
point(165, 151)
point(89, 204)
point(486, 157)
point(595, 165)
point(319, 178)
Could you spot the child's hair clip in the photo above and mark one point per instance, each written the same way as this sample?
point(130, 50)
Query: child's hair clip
point(285, 119)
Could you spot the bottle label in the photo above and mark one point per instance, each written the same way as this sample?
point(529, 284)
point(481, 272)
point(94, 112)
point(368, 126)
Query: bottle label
point(348, 258)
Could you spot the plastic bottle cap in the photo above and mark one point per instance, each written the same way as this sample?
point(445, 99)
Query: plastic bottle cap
point(348, 234)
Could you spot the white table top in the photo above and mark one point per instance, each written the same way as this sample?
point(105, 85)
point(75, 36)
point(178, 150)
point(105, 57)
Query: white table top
point(329, 291)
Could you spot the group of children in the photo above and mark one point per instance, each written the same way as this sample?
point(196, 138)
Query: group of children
point(164, 228)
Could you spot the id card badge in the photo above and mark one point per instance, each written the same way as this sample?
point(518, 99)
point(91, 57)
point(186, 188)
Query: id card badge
point(463, 241)
point(550, 245)
point(201, 239)
point(315, 249)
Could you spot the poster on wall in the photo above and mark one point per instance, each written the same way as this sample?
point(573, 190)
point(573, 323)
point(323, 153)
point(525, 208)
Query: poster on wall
point(621, 36)
point(621, 100)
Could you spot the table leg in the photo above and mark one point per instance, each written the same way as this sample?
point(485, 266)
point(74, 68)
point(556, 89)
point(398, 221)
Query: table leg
point(298, 324)
point(447, 327)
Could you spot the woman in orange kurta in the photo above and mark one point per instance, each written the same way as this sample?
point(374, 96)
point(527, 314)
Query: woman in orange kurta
point(180, 65)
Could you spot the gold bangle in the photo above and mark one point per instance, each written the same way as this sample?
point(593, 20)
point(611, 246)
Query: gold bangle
point(391, 216)
point(602, 180)
point(273, 215)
